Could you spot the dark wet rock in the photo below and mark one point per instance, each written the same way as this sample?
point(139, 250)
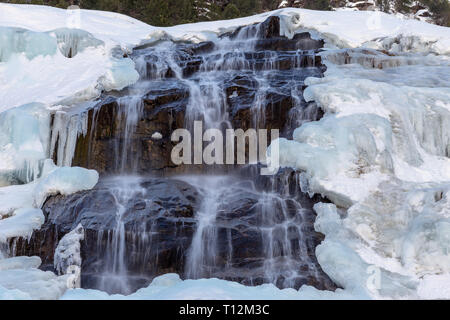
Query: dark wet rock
point(300, 41)
point(163, 112)
point(159, 221)
point(202, 47)
point(251, 229)
point(158, 226)
point(265, 30)
point(272, 116)
point(269, 28)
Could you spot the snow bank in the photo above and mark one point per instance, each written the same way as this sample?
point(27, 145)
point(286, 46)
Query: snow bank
point(21, 224)
point(20, 278)
point(171, 287)
point(42, 73)
point(47, 56)
point(64, 180)
point(111, 28)
point(20, 212)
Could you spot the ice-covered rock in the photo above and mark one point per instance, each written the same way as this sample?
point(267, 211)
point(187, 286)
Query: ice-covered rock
point(23, 142)
point(64, 180)
point(67, 252)
point(20, 212)
point(21, 224)
point(382, 152)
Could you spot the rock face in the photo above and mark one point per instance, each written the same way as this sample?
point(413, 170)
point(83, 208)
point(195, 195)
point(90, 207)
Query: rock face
point(253, 78)
point(242, 227)
point(161, 111)
point(157, 216)
point(261, 232)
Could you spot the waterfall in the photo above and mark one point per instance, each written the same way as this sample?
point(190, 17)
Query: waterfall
point(277, 217)
point(130, 109)
point(114, 276)
point(244, 229)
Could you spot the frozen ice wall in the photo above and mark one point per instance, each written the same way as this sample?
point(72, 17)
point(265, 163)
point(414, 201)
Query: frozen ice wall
point(381, 154)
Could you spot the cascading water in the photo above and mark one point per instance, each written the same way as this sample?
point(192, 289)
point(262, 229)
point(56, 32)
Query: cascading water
point(239, 229)
point(114, 277)
point(276, 218)
point(131, 109)
point(202, 255)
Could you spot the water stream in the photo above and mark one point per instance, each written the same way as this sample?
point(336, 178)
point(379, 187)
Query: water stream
point(244, 231)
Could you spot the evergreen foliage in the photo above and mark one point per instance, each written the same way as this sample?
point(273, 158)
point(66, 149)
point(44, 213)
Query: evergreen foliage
point(172, 12)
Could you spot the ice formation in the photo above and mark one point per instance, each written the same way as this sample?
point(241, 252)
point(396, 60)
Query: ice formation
point(20, 278)
point(68, 251)
point(388, 128)
point(20, 211)
point(381, 152)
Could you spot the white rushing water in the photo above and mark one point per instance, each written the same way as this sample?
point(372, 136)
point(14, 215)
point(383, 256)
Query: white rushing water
point(114, 276)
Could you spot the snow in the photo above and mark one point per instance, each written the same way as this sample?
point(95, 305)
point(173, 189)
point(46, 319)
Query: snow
point(171, 287)
point(435, 287)
point(15, 197)
point(20, 278)
point(35, 46)
point(54, 78)
point(21, 224)
point(20, 204)
point(63, 180)
point(157, 136)
point(111, 28)
point(381, 153)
